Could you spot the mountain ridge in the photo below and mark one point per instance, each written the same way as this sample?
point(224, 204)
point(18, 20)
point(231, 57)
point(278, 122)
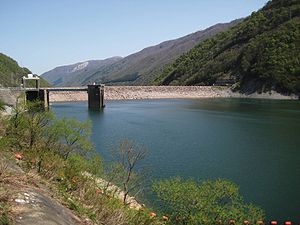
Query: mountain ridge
point(73, 73)
point(141, 67)
point(259, 54)
point(11, 73)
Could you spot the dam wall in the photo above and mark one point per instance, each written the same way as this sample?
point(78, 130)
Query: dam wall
point(163, 92)
point(145, 92)
point(9, 97)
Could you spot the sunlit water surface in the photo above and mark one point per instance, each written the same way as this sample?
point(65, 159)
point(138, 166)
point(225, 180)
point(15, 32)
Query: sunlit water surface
point(254, 143)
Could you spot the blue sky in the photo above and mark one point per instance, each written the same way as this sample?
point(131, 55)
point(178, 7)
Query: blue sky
point(43, 34)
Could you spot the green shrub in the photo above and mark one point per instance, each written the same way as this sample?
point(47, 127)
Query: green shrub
point(261, 53)
point(4, 220)
point(206, 202)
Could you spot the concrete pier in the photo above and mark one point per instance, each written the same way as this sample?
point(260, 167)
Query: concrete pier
point(44, 97)
point(95, 97)
point(40, 95)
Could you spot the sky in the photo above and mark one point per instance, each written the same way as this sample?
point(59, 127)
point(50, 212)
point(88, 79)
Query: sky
point(43, 34)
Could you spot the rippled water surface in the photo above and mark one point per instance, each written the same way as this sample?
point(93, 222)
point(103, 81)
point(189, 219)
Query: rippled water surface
point(254, 143)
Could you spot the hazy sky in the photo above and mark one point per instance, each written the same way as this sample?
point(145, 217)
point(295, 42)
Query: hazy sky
point(43, 34)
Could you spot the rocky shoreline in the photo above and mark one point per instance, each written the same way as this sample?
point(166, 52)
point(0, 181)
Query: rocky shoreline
point(164, 92)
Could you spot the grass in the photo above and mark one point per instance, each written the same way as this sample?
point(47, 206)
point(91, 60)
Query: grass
point(4, 194)
point(32, 136)
point(2, 105)
point(4, 207)
point(4, 220)
point(80, 195)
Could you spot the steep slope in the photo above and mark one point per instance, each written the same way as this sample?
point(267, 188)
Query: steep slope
point(10, 71)
point(75, 73)
point(140, 68)
point(259, 54)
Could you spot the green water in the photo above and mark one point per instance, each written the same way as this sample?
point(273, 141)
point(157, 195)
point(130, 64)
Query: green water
point(254, 143)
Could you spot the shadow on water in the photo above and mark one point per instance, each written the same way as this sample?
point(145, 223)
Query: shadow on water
point(95, 112)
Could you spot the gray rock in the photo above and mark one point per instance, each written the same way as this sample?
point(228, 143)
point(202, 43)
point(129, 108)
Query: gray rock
point(36, 207)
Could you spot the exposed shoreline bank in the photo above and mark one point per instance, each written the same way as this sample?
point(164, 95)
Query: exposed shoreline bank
point(165, 92)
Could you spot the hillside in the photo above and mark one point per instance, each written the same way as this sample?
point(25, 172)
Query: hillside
point(139, 68)
point(259, 54)
point(142, 67)
point(74, 74)
point(11, 72)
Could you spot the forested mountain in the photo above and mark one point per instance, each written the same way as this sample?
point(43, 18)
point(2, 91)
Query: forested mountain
point(259, 54)
point(10, 71)
point(136, 69)
point(75, 74)
point(142, 67)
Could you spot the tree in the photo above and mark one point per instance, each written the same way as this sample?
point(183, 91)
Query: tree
point(27, 125)
point(126, 171)
point(40, 135)
point(206, 202)
point(36, 123)
point(261, 53)
point(71, 135)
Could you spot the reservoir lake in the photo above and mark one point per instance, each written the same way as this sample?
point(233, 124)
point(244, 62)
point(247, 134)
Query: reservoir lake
point(254, 143)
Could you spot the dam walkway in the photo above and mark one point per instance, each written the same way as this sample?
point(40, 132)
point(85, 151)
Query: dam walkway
point(95, 94)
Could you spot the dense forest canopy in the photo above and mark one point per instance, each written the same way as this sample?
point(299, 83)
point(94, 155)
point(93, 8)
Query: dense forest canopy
point(11, 72)
point(261, 53)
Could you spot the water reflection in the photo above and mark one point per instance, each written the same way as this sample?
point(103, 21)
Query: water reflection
point(254, 143)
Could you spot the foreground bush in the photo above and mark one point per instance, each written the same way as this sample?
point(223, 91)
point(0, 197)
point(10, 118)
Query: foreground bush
point(206, 202)
point(61, 153)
